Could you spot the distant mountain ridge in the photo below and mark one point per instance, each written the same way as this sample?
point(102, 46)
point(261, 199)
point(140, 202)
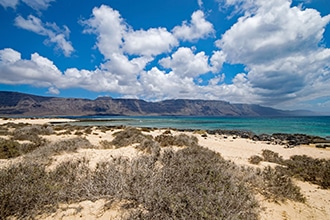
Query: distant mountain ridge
point(21, 104)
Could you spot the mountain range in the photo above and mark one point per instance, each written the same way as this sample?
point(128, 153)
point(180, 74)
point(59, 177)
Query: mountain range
point(21, 104)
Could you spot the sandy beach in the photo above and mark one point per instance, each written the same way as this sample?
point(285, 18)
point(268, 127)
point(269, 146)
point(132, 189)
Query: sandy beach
point(235, 149)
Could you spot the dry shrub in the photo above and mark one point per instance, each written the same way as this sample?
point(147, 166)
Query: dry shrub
point(193, 183)
point(255, 159)
point(306, 168)
point(25, 190)
point(4, 131)
point(149, 146)
point(43, 153)
point(28, 190)
point(276, 185)
point(31, 133)
point(178, 140)
point(9, 149)
point(25, 133)
point(106, 144)
point(129, 136)
point(272, 157)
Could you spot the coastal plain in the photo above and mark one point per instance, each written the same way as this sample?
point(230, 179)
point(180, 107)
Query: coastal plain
point(232, 148)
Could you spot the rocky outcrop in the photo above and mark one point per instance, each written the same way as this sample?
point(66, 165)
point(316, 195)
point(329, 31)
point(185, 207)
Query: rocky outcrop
point(288, 140)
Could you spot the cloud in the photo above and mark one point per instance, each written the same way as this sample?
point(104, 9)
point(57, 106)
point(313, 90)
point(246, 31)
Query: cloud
point(38, 4)
point(114, 36)
point(55, 34)
point(197, 28)
point(217, 60)
point(37, 71)
point(279, 45)
point(53, 91)
point(151, 42)
point(9, 3)
point(200, 3)
point(109, 27)
point(35, 4)
point(185, 63)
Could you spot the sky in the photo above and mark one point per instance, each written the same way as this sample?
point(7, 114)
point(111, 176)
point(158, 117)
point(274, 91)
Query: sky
point(270, 52)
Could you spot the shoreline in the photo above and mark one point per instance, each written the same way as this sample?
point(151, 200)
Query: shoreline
point(257, 125)
point(287, 139)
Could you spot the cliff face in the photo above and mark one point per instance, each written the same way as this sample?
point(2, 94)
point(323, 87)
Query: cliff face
point(13, 103)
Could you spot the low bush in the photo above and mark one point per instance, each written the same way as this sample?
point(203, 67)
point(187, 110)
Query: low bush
point(149, 146)
point(272, 157)
point(255, 159)
point(180, 140)
point(9, 149)
point(276, 185)
point(306, 168)
point(26, 190)
point(129, 136)
point(106, 144)
point(192, 183)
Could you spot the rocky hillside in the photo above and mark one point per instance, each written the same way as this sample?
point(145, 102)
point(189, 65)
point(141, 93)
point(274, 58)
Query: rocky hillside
point(20, 104)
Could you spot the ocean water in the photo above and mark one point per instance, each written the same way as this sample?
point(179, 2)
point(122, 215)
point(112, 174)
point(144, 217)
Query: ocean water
point(311, 125)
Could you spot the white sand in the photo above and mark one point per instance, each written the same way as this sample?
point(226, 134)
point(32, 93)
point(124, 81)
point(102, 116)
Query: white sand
point(34, 120)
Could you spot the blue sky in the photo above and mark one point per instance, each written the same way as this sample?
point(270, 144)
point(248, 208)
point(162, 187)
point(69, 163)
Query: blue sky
point(270, 52)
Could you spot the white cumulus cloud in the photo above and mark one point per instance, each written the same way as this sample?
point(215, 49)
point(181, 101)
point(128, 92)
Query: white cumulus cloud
point(197, 28)
point(278, 44)
point(185, 63)
point(151, 42)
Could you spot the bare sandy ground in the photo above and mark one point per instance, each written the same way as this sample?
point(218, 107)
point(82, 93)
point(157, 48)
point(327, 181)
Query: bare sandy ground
point(33, 121)
point(231, 148)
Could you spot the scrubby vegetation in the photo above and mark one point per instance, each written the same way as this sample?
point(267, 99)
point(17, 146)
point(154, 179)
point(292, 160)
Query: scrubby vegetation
point(302, 167)
point(189, 183)
point(9, 149)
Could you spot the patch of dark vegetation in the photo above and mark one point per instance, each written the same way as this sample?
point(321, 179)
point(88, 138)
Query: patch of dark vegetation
point(255, 159)
point(316, 171)
point(192, 183)
point(9, 149)
point(180, 140)
point(277, 186)
point(302, 167)
point(106, 144)
point(272, 157)
point(32, 132)
point(51, 149)
point(129, 136)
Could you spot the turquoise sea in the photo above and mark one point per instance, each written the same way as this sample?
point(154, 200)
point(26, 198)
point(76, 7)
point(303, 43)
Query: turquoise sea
point(311, 125)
